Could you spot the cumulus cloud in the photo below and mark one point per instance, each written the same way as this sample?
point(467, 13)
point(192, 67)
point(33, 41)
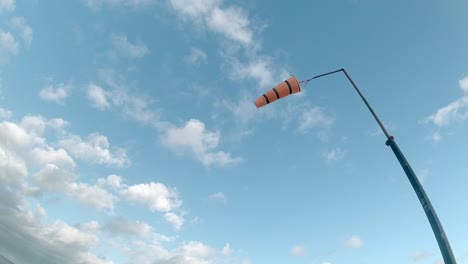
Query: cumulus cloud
point(354, 242)
point(25, 239)
point(127, 49)
point(92, 195)
point(57, 93)
point(52, 178)
point(13, 170)
point(125, 227)
point(49, 155)
point(95, 149)
point(25, 30)
point(8, 46)
point(156, 196)
point(194, 139)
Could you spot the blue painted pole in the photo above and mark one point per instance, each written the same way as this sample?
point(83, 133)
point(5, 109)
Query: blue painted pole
point(437, 228)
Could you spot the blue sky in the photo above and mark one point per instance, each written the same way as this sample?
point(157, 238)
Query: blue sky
point(128, 132)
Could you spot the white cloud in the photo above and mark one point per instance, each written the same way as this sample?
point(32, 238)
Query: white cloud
point(420, 256)
point(53, 179)
point(26, 32)
point(125, 227)
point(112, 181)
point(175, 220)
point(56, 94)
point(455, 111)
point(326, 262)
point(194, 139)
point(464, 84)
point(25, 239)
point(48, 155)
point(5, 113)
point(70, 236)
point(232, 22)
point(92, 195)
point(8, 46)
point(7, 5)
point(218, 197)
point(197, 57)
point(98, 96)
point(194, 9)
point(13, 170)
point(354, 242)
point(156, 196)
point(191, 253)
point(298, 251)
point(98, 4)
point(127, 49)
point(95, 149)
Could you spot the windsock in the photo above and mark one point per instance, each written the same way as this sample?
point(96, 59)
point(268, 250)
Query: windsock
point(290, 86)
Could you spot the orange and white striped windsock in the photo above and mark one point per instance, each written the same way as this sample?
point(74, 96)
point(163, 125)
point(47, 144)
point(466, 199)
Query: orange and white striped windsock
point(290, 86)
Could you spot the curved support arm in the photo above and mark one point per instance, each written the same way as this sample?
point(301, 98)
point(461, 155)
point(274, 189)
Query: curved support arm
point(437, 228)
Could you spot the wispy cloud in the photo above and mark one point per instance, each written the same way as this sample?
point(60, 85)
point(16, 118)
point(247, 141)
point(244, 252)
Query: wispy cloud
point(175, 220)
point(96, 5)
point(8, 46)
point(196, 57)
point(464, 84)
point(354, 242)
point(128, 49)
point(5, 113)
point(7, 5)
point(420, 256)
point(219, 197)
point(56, 93)
point(455, 111)
point(25, 30)
point(334, 154)
point(298, 251)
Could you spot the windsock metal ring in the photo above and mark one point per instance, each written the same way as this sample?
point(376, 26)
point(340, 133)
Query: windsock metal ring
point(289, 86)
